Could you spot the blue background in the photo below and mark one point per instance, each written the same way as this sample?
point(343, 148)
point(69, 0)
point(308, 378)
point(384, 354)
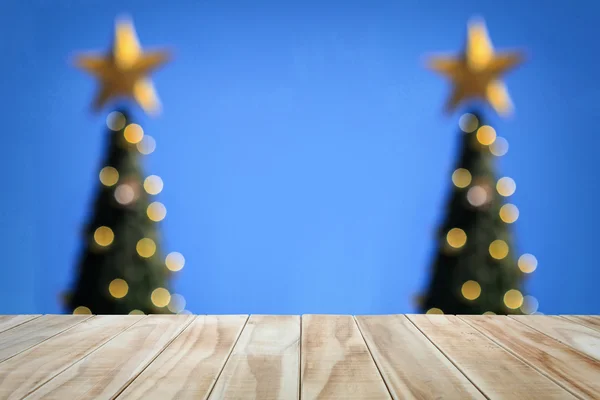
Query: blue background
point(305, 157)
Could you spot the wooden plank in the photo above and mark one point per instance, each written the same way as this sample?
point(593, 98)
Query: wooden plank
point(107, 371)
point(22, 337)
point(591, 321)
point(572, 370)
point(336, 363)
point(411, 365)
point(30, 369)
point(10, 321)
point(188, 367)
point(496, 372)
point(580, 337)
point(265, 362)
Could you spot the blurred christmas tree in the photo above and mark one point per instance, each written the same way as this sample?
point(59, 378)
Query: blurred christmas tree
point(476, 270)
point(122, 269)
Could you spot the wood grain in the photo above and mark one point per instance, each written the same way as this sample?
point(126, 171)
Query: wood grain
point(411, 365)
point(107, 371)
point(22, 337)
point(265, 362)
point(591, 321)
point(188, 367)
point(30, 369)
point(336, 363)
point(580, 337)
point(572, 370)
point(496, 372)
point(10, 321)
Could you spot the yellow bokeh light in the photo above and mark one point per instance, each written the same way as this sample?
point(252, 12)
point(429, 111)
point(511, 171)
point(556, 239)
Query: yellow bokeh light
point(104, 236)
point(147, 145)
point(82, 310)
point(509, 213)
point(527, 263)
point(506, 186)
point(115, 121)
point(489, 313)
point(109, 176)
point(146, 247)
point(486, 135)
point(434, 310)
point(118, 288)
point(461, 178)
point(136, 312)
point(456, 238)
point(477, 196)
point(177, 303)
point(498, 249)
point(513, 299)
point(133, 133)
point(124, 194)
point(153, 184)
point(468, 123)
point(160, 297)
point(470, 290)
point(530, 305)
point(499, 147)
point(175, 261)
point(156, 211)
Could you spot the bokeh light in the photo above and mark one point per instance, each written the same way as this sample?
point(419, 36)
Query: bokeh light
point(509, 213)
point(506, 186)
point(456, 238)
point(468, 123)
point(477, 196)
point(82, 310)
point(133, 133)
point(136, 312)
point(153, 184)
point(124, 194)
point(177, 303)
point(527, 263)
point(471, 290)
point(513, 299)
point(156, 211)
point(160, 297)
point(498, 249)
point(109, 176)
point(489, 313)
point(175, 261)
point(146, 247)
point(461, 178)
point(486, 135)
point(104, 236)
point(434, 310)
point(147, 145)
point(499, 147)
point(118, 288)
point(530, 305)
point(115, 121)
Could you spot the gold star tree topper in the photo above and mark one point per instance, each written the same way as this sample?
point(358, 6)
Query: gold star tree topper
point(124, 70)
point(476, 72)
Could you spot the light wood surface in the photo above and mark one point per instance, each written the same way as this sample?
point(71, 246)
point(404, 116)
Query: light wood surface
point(305, 357)
point(105, 372)
point(336, 363)
point(580, 337)
point(559, 362)
point(496, 372)
point(411, 365)
point(265, 361)
point(189, 367)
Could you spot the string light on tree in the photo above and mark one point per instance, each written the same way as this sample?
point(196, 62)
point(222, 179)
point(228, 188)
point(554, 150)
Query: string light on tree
point(468, 123)
point(471, 290)
point(109, 176)
point(486, 135)
point(506, 186)
point(136, 312)
point(82, 310)
point(156, 211)
point(104, 236)
point(176, 304)
point(499, 147)
point(456, 238)
point(175, 261)
point(115, 121)
point(509, 213)
point(527, 263)
point(153, 184)
point(513, 299)
point(434, 310)
point(133, 133)
point(160, 297)
point(146, 247)
point(530, 305)
point(461, 178)
point(147, 145)
point(498, 249)
point(118, 288)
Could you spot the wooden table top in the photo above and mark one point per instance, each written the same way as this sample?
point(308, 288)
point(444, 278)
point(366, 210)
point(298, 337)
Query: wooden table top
point(290, 357)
